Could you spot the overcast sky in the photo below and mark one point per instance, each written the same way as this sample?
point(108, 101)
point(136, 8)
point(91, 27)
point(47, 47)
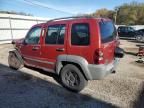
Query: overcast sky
point(59, 8)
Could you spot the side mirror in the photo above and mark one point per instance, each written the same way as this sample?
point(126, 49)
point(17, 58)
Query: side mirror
point(24, 42)
point(13, 42)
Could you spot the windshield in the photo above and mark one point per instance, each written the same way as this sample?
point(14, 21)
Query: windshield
point(108, 31)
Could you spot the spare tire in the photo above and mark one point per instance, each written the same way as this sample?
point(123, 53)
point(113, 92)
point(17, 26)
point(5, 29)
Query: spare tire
point(119, 52)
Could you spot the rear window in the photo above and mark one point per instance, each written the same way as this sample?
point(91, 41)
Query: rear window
point(108, 31)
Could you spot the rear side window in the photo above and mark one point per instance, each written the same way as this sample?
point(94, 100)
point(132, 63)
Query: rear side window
point(108, 31)
point(80, 34)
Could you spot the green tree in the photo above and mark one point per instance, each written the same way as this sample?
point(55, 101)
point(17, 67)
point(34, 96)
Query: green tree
point(130, 14)
point(125, 14)
point(104, 13)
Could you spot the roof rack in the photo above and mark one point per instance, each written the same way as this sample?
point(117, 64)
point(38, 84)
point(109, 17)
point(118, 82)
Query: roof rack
point(75, 17)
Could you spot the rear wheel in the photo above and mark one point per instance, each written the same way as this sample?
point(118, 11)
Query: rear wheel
point(72, 78)
point(14, 62)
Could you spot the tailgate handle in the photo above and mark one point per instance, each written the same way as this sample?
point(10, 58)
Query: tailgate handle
point(60, 49)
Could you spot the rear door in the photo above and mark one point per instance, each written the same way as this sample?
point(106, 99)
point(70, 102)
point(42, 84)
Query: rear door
point(108, 39)
point(79, 39)
point(54, 44)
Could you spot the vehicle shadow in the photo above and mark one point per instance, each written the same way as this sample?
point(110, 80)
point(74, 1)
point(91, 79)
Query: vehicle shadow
point(139, 103)
point(20, 90)
point(54, 76)
point(130, 53)
point(127, 38)
point(134, 41)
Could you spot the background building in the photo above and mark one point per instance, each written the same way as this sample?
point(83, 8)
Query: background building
point(16, 26)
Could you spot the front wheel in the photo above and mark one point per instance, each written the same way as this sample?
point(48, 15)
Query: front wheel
point(139, 38)
point(14, 62)
point(72, 78)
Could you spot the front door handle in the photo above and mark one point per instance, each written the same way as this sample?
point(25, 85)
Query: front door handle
point(35, 48)
point(60, 49)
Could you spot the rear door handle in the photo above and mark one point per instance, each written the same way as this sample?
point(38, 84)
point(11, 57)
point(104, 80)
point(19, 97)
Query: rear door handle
point(35, 48)
point(60, 49)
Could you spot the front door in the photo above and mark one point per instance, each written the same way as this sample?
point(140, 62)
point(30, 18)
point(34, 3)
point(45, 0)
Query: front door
point(54, 44)
point(31, 49)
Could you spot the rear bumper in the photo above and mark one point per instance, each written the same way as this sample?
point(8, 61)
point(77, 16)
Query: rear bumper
point(102, 70)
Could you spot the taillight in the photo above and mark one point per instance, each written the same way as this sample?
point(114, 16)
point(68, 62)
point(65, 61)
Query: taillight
point(98, 56)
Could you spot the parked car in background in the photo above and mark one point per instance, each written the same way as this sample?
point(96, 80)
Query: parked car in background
point(141, 30)
point(77, 49)
point(126, 31)
point(129, 32)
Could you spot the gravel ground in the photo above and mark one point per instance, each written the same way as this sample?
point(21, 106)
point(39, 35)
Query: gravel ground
point(33, 88)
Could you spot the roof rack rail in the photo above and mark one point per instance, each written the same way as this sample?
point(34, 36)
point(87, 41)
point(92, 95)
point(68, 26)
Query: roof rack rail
point(74, 17)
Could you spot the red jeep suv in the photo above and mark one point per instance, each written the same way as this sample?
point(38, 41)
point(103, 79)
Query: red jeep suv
point(77, 49)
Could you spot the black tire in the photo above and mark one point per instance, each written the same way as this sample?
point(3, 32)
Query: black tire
point(72, 78)
point(139, 38)
point(14, 62)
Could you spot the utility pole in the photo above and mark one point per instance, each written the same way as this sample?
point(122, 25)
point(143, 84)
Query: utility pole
point(116, 11)
point(11, 28)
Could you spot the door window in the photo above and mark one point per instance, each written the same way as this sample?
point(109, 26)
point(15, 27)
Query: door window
point(130, 29)
point(33, 36)
point(122, 29)
point(55, 34)
point(61, 35)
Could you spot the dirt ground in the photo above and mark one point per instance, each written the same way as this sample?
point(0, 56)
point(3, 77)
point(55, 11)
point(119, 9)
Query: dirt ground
point(34, 88)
